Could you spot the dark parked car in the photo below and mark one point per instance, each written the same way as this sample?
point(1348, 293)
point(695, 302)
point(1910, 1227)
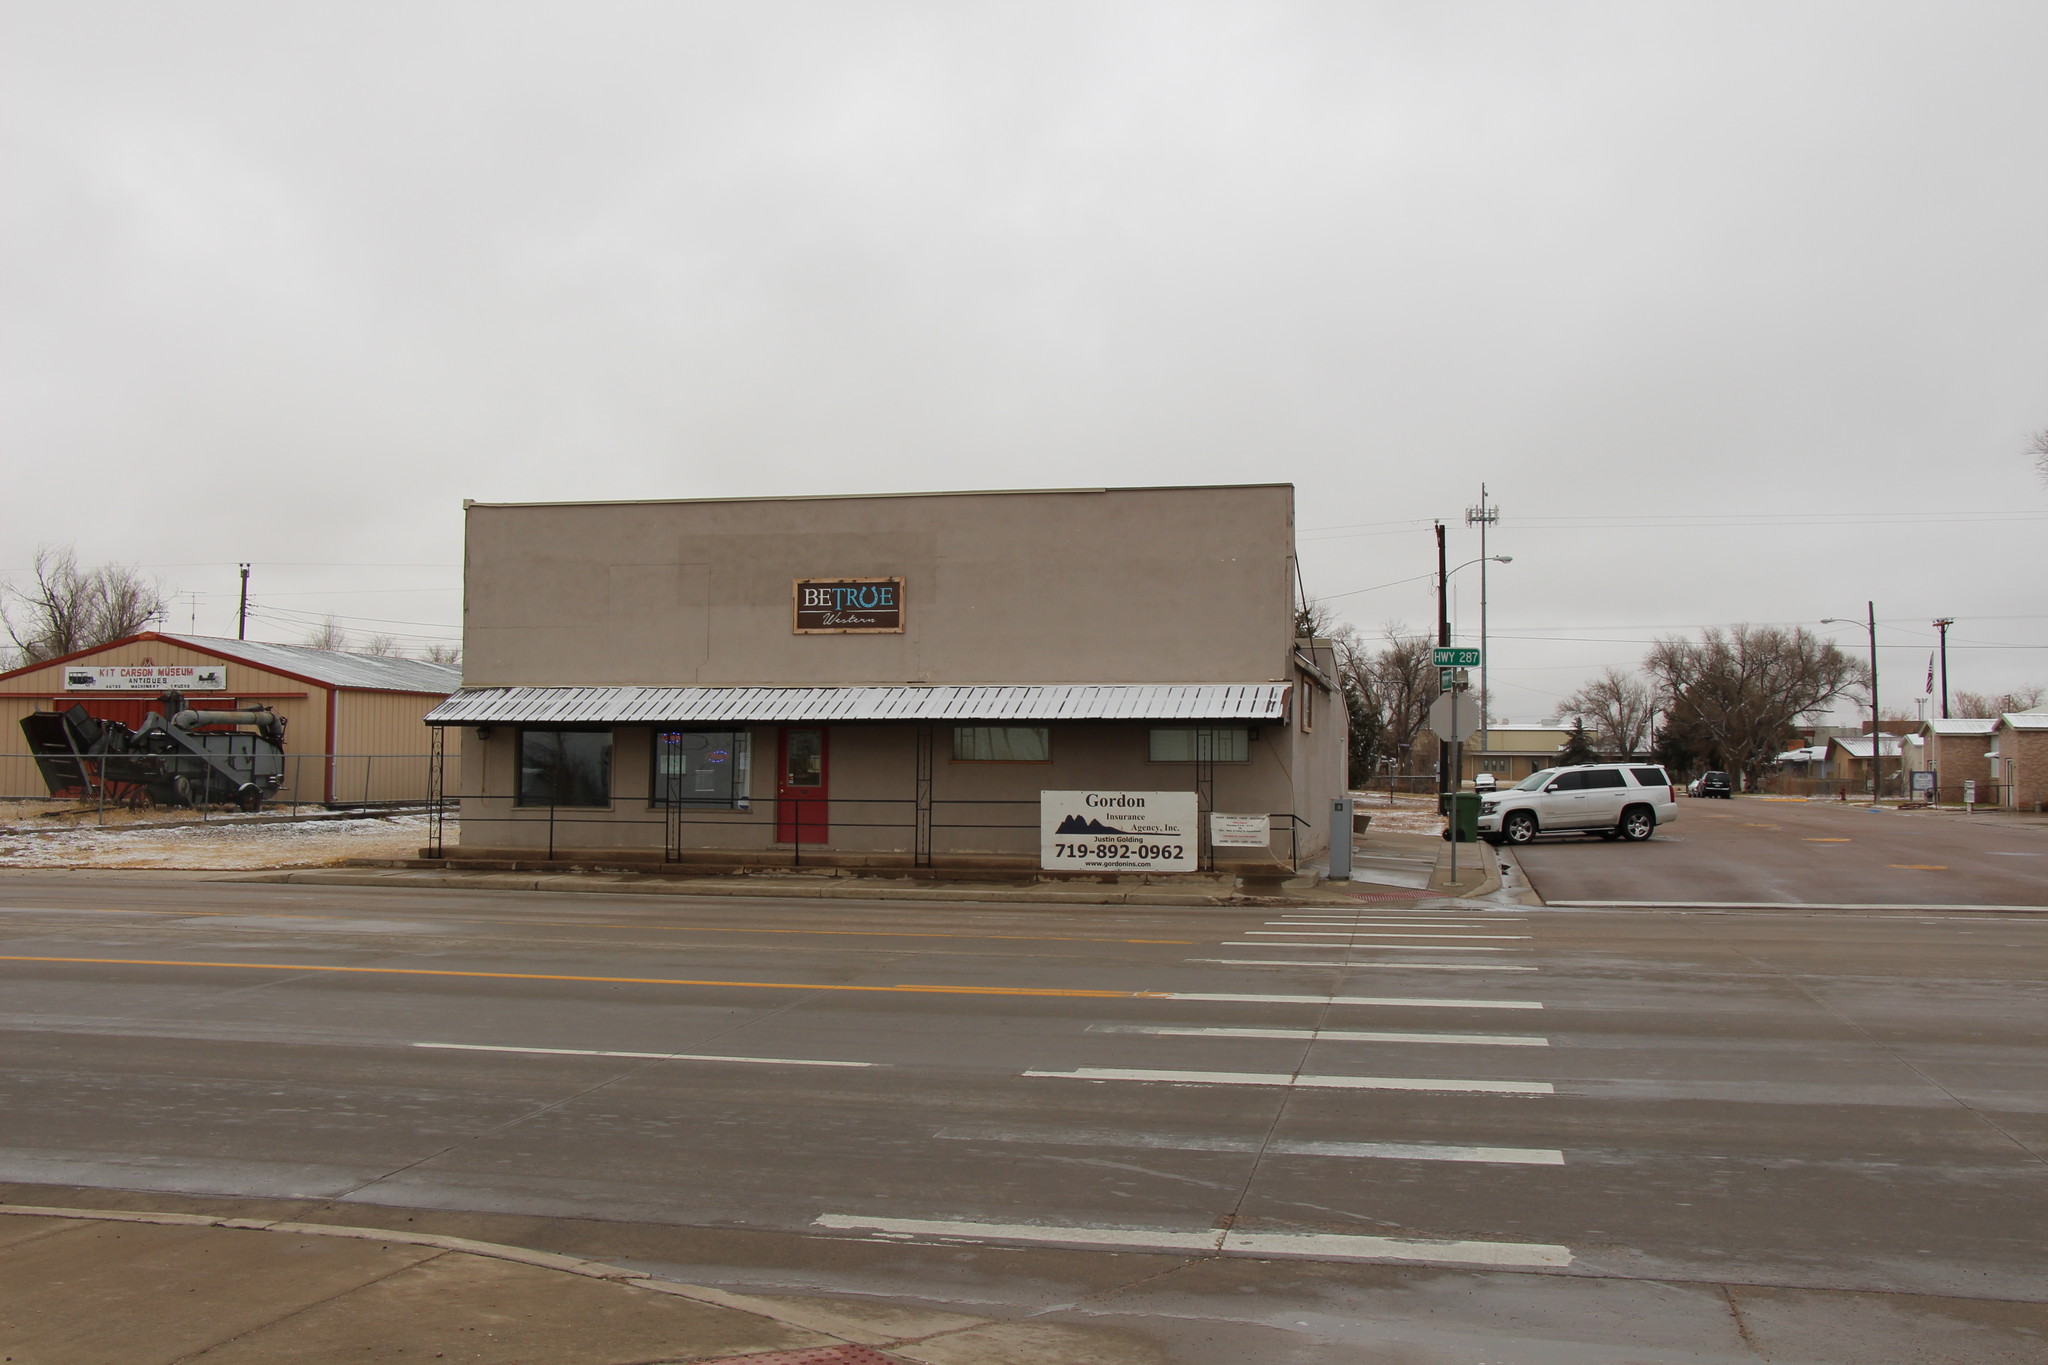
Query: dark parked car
point(1712, 784)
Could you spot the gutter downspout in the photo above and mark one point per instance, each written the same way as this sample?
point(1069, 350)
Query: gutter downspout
point(328, 798)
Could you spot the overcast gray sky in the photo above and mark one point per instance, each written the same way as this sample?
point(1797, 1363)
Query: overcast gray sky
point(1739, 309)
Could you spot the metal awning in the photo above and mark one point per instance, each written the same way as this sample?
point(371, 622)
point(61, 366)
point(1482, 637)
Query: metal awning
point(1242, 702)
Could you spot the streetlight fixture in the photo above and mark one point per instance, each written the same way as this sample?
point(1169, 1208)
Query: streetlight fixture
point(1876, 716)
point(1446, 780)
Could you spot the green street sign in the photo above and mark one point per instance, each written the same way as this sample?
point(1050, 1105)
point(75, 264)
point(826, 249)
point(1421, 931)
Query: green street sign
point(1447, 657)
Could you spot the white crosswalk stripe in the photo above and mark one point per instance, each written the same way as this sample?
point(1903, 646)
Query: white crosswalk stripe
point(1375, 933)
point(1315, 1245)
point(1326, 1035)
point(1371, 966)
point(1439, 1085)
point(1419, 1002)
point(1375, 947)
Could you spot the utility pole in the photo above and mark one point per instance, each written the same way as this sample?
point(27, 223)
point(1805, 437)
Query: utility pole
point(1443, 637)
point(1876, 717)
point(242, 612)
point(1942, 625)
point(1483, 516)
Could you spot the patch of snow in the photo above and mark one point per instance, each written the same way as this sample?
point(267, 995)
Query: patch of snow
point(225, 844)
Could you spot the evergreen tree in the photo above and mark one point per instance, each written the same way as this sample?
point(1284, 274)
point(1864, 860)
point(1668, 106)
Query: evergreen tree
point(1578, 745)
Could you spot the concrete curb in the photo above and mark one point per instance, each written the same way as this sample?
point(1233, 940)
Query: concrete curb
point(835, 889)
point(821, 1321)
point(1482, 855)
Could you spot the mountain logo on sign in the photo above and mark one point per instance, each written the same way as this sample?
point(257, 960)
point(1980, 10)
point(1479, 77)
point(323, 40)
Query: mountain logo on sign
point(1074, 824)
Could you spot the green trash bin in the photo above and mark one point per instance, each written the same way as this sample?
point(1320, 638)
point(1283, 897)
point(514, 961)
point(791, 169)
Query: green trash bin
point(1462, 811)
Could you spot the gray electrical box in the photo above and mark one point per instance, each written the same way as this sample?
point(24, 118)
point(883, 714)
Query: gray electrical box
point(1340, 839)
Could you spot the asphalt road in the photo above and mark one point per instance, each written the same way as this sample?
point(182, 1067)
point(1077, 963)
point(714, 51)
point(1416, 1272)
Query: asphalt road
point(1760, 850)
point(1245, 1134)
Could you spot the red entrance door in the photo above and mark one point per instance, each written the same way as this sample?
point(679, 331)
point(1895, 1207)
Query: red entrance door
point(802, 808)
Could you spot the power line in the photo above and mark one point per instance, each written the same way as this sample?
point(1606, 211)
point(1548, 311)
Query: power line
point(315, 617)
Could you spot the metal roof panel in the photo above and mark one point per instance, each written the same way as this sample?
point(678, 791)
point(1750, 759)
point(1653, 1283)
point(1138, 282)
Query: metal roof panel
point(371, 672)
point(714, 705)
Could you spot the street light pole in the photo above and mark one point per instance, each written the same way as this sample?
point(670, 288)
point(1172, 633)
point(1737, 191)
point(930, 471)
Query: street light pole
point(1876, 715)
point(1448, 755)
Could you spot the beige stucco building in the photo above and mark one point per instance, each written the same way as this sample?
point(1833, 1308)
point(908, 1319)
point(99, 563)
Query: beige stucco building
point(1512, 752)
point(886, 680)
point(353, 722)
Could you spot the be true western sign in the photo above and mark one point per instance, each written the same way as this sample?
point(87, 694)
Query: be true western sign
point(840, 606)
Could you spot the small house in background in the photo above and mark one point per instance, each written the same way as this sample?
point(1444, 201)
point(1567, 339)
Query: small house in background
point(1956, 751)
point(1512, 752)
point(354, 732)
point(2019, 759)
point(1849, 760)
point(1807, 761)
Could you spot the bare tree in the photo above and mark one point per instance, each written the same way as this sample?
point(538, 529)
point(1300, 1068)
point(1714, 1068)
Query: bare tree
point(69, 608)
point(2037, 446)
point(1393, 686)
point(327, 635)
point(384, 646)
point(442, 654)
point(1620, 707)
point(1317, 620)
point(1984, 706)
point(1731, 698)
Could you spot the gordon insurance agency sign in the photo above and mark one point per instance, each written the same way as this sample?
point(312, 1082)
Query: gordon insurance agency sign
point(841, 606)
point(147, 678)
point(1117, 831)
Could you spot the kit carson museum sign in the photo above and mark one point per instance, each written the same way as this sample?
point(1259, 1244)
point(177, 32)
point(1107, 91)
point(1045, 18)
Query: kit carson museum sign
point(147, 678)
point(843, 606)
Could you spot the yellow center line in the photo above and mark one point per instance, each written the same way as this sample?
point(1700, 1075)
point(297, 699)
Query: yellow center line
point(653, 928)
point(609, 980)
point(1919, 867)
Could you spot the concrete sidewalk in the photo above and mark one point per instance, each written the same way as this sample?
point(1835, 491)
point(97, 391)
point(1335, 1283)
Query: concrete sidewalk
point(1303, 890)
point(101, 1287)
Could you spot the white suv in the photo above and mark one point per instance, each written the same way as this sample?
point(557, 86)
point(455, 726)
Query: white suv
point(1612, 800)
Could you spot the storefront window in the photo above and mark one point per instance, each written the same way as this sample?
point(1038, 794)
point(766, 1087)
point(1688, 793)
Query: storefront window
point(1219, 745)
point(565, 767)
point(1002, 744)
point(700, 767)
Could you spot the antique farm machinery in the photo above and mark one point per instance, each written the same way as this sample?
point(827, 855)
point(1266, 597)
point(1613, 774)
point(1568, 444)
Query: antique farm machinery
point(176, 757)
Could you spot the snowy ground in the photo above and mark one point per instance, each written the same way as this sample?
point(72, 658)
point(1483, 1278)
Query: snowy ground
point(225, 843)
point(1408, 814)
